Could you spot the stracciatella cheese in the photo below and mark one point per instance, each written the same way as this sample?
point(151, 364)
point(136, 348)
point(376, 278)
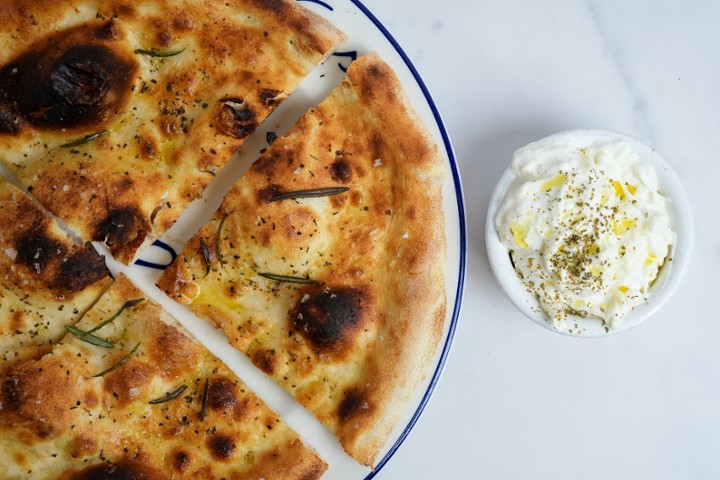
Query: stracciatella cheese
point(586, 226)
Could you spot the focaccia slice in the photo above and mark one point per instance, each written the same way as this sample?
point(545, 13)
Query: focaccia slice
point(325, 263)
point(152, 404)
point(46, 281)
point(118, 114)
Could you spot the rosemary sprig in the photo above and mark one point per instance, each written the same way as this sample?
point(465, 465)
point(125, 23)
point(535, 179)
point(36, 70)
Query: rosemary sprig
point(312, 192)
point(206, 391)
point(128, 304)
point(218, 237)
point(170, 396)
point(88, 337)
point(120, 363)
point(206, 256)
point(286, 278)
point(85, 139)
point(156, 53)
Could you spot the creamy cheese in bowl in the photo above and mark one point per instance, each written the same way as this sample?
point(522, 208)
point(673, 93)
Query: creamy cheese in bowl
point(588, 228)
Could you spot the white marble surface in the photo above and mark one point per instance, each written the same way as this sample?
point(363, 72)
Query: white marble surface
point(515, 400)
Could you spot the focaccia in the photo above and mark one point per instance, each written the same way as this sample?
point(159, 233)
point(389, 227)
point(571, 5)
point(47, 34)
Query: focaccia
point(130, 395)
point(117, 114)
point(46, 281)
point(325, 262)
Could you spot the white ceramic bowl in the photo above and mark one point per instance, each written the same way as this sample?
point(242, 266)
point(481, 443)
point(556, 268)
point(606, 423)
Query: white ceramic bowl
point(670, 275)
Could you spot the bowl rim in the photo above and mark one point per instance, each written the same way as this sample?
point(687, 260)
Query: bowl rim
point(671, 274)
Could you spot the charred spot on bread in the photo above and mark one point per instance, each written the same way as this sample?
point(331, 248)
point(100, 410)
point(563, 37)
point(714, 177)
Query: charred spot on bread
point(10, 120)
point(123, 226)
point(266, 194)
point(79, 270)
point(220, 395)
point(221, 446)
point(235, 118)
point(107, 31)
point(122, 470)
point(56, 266)
point(329, 318)
point(35, 249)
point(265, 360)
point(181, 461)
point(11, 395)
point(79, 80)
point(340, 170)
point(183, 22)
point(275, 6)
point(72, 79)
point(270, 97)
point(147, 147)
point(354, 403)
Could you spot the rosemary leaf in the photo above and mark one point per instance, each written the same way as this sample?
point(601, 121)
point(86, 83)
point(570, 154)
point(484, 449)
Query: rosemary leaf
point(170, 396)
point(156, 53)
point(85, 139)
point(120, 363)
point(218, 237)
point(206, 255)
point(88, 337)
point(128, 304)
point(286, 278)
point(206, 391)
point(312, 192)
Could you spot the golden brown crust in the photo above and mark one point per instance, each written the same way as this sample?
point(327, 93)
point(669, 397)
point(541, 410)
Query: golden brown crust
point(352, 344)
point(86, 411)
point(46, 282)
point(125, 469)
point(160, 126)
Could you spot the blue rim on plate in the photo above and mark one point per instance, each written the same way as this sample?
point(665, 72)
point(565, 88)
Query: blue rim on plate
point(463, 243)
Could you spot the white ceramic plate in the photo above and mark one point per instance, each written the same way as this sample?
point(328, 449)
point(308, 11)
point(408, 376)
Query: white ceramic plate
point(365, 34)
point(670, 275)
